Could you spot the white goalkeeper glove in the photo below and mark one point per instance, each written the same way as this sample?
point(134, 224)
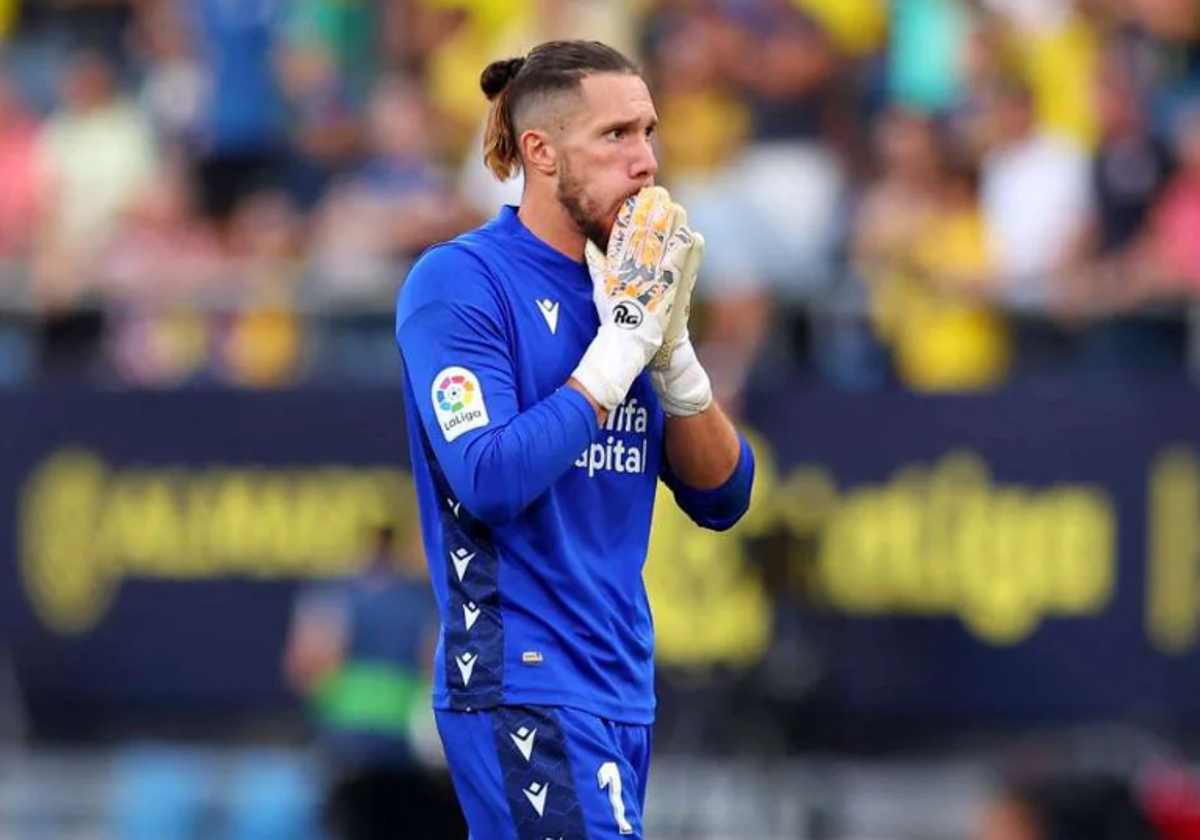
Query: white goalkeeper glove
point(682, 384)
point(633, 286)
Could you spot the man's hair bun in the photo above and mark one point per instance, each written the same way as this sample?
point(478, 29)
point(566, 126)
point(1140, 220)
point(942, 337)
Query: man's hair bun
point(498, 74)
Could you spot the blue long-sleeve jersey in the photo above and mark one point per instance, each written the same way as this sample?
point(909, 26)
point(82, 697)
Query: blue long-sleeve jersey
point(535, 518)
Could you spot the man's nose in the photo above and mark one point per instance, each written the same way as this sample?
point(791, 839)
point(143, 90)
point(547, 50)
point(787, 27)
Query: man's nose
point(645, 164)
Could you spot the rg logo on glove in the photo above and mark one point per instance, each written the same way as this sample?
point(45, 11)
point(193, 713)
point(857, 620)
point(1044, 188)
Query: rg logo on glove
point(627, 315)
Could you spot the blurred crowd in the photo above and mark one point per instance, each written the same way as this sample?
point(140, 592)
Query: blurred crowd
point(945, 194)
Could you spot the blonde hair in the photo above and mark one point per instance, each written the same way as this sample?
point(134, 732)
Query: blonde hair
point(500, 151)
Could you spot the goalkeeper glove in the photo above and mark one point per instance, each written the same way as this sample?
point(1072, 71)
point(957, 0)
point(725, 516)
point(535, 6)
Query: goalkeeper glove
point(682, 384)
point(633, 286)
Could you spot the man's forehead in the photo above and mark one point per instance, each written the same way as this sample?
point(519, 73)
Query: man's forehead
point(617, 97)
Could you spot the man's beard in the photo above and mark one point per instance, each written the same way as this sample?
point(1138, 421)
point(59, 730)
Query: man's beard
point(570, 196)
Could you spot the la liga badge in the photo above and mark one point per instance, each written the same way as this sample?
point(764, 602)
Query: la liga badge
point(458, 402)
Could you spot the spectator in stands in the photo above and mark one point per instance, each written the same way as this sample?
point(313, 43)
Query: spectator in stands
point(1163, 44)
point(359, 652)
point(1034, 191)
point(96, 154)
point(1128, 174)
point(398, 202)
point(241, 145)
point(158, 275)
point(1171, 265)
point(172, 84)
point(704, 122)
point(18, 197)
point(445, 38)
point(922, 244)
point(892, 212)
point(950, 336)
point(261, 338)
point(323, 119)
point(790, 178)
point(1057, 46)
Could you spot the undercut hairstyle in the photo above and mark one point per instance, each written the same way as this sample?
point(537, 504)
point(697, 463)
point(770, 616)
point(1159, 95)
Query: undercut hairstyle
point(516, 86)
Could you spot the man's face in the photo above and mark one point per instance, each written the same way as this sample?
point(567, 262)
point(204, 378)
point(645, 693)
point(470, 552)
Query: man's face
point(88, 82)
point(1012, 117)
point(605, 152)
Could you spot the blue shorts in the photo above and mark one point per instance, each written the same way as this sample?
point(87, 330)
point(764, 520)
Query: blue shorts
point(535, 772)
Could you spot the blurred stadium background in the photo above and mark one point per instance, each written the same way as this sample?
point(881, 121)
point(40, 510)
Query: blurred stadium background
point(954, 254)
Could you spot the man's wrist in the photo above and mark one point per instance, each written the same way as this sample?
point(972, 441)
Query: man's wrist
point(601, 411)
point(683, 387)
point(611, 364)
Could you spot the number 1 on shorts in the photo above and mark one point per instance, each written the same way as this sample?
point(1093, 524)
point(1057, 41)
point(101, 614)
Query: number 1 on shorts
point(609, 777)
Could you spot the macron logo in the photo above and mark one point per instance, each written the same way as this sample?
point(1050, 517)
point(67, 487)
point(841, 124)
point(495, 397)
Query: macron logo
point(536, 794)
point(462, 558)
point(549, 310)
point(466, 665)
point(523, 738)
point(470, 615)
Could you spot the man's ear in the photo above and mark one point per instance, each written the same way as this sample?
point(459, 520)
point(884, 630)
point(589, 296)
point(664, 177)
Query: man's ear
point(538, 152)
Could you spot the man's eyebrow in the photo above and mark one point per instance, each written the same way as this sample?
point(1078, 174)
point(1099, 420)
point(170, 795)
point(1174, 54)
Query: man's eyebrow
point(628, 124)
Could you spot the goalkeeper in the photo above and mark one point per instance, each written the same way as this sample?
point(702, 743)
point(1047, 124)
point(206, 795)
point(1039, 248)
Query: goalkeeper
point(549, 384)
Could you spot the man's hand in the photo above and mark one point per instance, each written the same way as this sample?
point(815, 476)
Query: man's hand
point(680, 381)
point(634, 286)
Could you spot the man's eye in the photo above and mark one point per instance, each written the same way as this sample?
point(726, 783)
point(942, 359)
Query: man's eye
point(615, 134)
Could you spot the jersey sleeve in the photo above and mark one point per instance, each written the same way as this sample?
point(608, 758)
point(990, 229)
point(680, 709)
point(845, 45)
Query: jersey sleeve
point(720, 508)
point(453, 338)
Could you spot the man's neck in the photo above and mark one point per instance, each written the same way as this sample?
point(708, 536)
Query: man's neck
point(546, 219)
